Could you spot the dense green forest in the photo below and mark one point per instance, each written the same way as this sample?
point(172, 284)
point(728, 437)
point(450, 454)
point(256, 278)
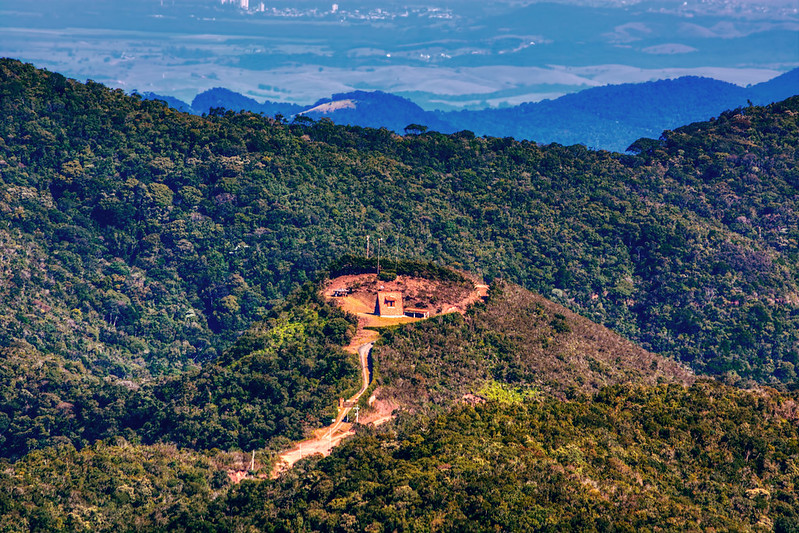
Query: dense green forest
point(137, 239)
point(279, 380)
point(161, 314)
point(664, 458)
point(109, 486)
point(656, 459)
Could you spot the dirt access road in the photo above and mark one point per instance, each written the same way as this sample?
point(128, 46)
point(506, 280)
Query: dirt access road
point(325, 439)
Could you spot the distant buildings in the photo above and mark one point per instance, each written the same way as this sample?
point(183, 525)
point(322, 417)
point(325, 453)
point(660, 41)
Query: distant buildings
point(243, 4)
point(374, 14)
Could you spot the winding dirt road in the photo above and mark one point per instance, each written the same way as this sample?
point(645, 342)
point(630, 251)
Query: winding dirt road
point(327, 438)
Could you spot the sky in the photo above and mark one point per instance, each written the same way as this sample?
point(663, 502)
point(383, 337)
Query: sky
point(441, 54)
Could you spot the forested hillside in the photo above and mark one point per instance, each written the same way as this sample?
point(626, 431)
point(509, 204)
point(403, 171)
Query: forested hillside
point(662, 458)
point(516, 344)
point(279, 380)
point(136, 239)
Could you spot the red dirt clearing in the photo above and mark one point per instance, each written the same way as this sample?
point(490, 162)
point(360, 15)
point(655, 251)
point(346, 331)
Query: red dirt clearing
point(438, 297)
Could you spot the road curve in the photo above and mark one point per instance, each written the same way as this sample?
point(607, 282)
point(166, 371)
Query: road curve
point(363, 355)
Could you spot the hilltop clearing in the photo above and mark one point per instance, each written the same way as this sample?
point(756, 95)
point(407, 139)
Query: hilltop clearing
point(433, 297)
point(357, 294)
point(513, 344)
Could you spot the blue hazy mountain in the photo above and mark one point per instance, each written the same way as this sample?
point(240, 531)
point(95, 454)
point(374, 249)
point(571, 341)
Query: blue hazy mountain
point(376, 109)
point(614, 116)
point(219, 97)
point(610, 117)
point(173, 102)
point(772, 90)
point(225, 99)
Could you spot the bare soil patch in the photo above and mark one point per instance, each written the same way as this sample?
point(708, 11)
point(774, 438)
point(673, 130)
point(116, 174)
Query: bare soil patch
point(382, 410)
point(438, 297)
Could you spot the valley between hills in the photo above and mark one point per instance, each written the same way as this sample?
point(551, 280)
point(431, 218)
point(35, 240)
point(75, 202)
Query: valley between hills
point(183, 299)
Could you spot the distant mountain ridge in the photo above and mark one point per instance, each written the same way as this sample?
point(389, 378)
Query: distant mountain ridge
point(610, 117)
point(377, 109)
point(225, 98)
point(613, 116)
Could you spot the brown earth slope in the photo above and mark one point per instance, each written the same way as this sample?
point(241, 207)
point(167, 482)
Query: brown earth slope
point(519, 340)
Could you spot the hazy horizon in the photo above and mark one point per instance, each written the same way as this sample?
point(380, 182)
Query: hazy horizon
point(442, 57)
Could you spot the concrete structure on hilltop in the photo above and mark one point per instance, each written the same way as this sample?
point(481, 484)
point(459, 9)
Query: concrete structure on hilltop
point(389, 304)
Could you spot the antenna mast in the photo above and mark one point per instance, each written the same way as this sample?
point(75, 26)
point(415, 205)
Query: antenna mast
point(379, 239)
